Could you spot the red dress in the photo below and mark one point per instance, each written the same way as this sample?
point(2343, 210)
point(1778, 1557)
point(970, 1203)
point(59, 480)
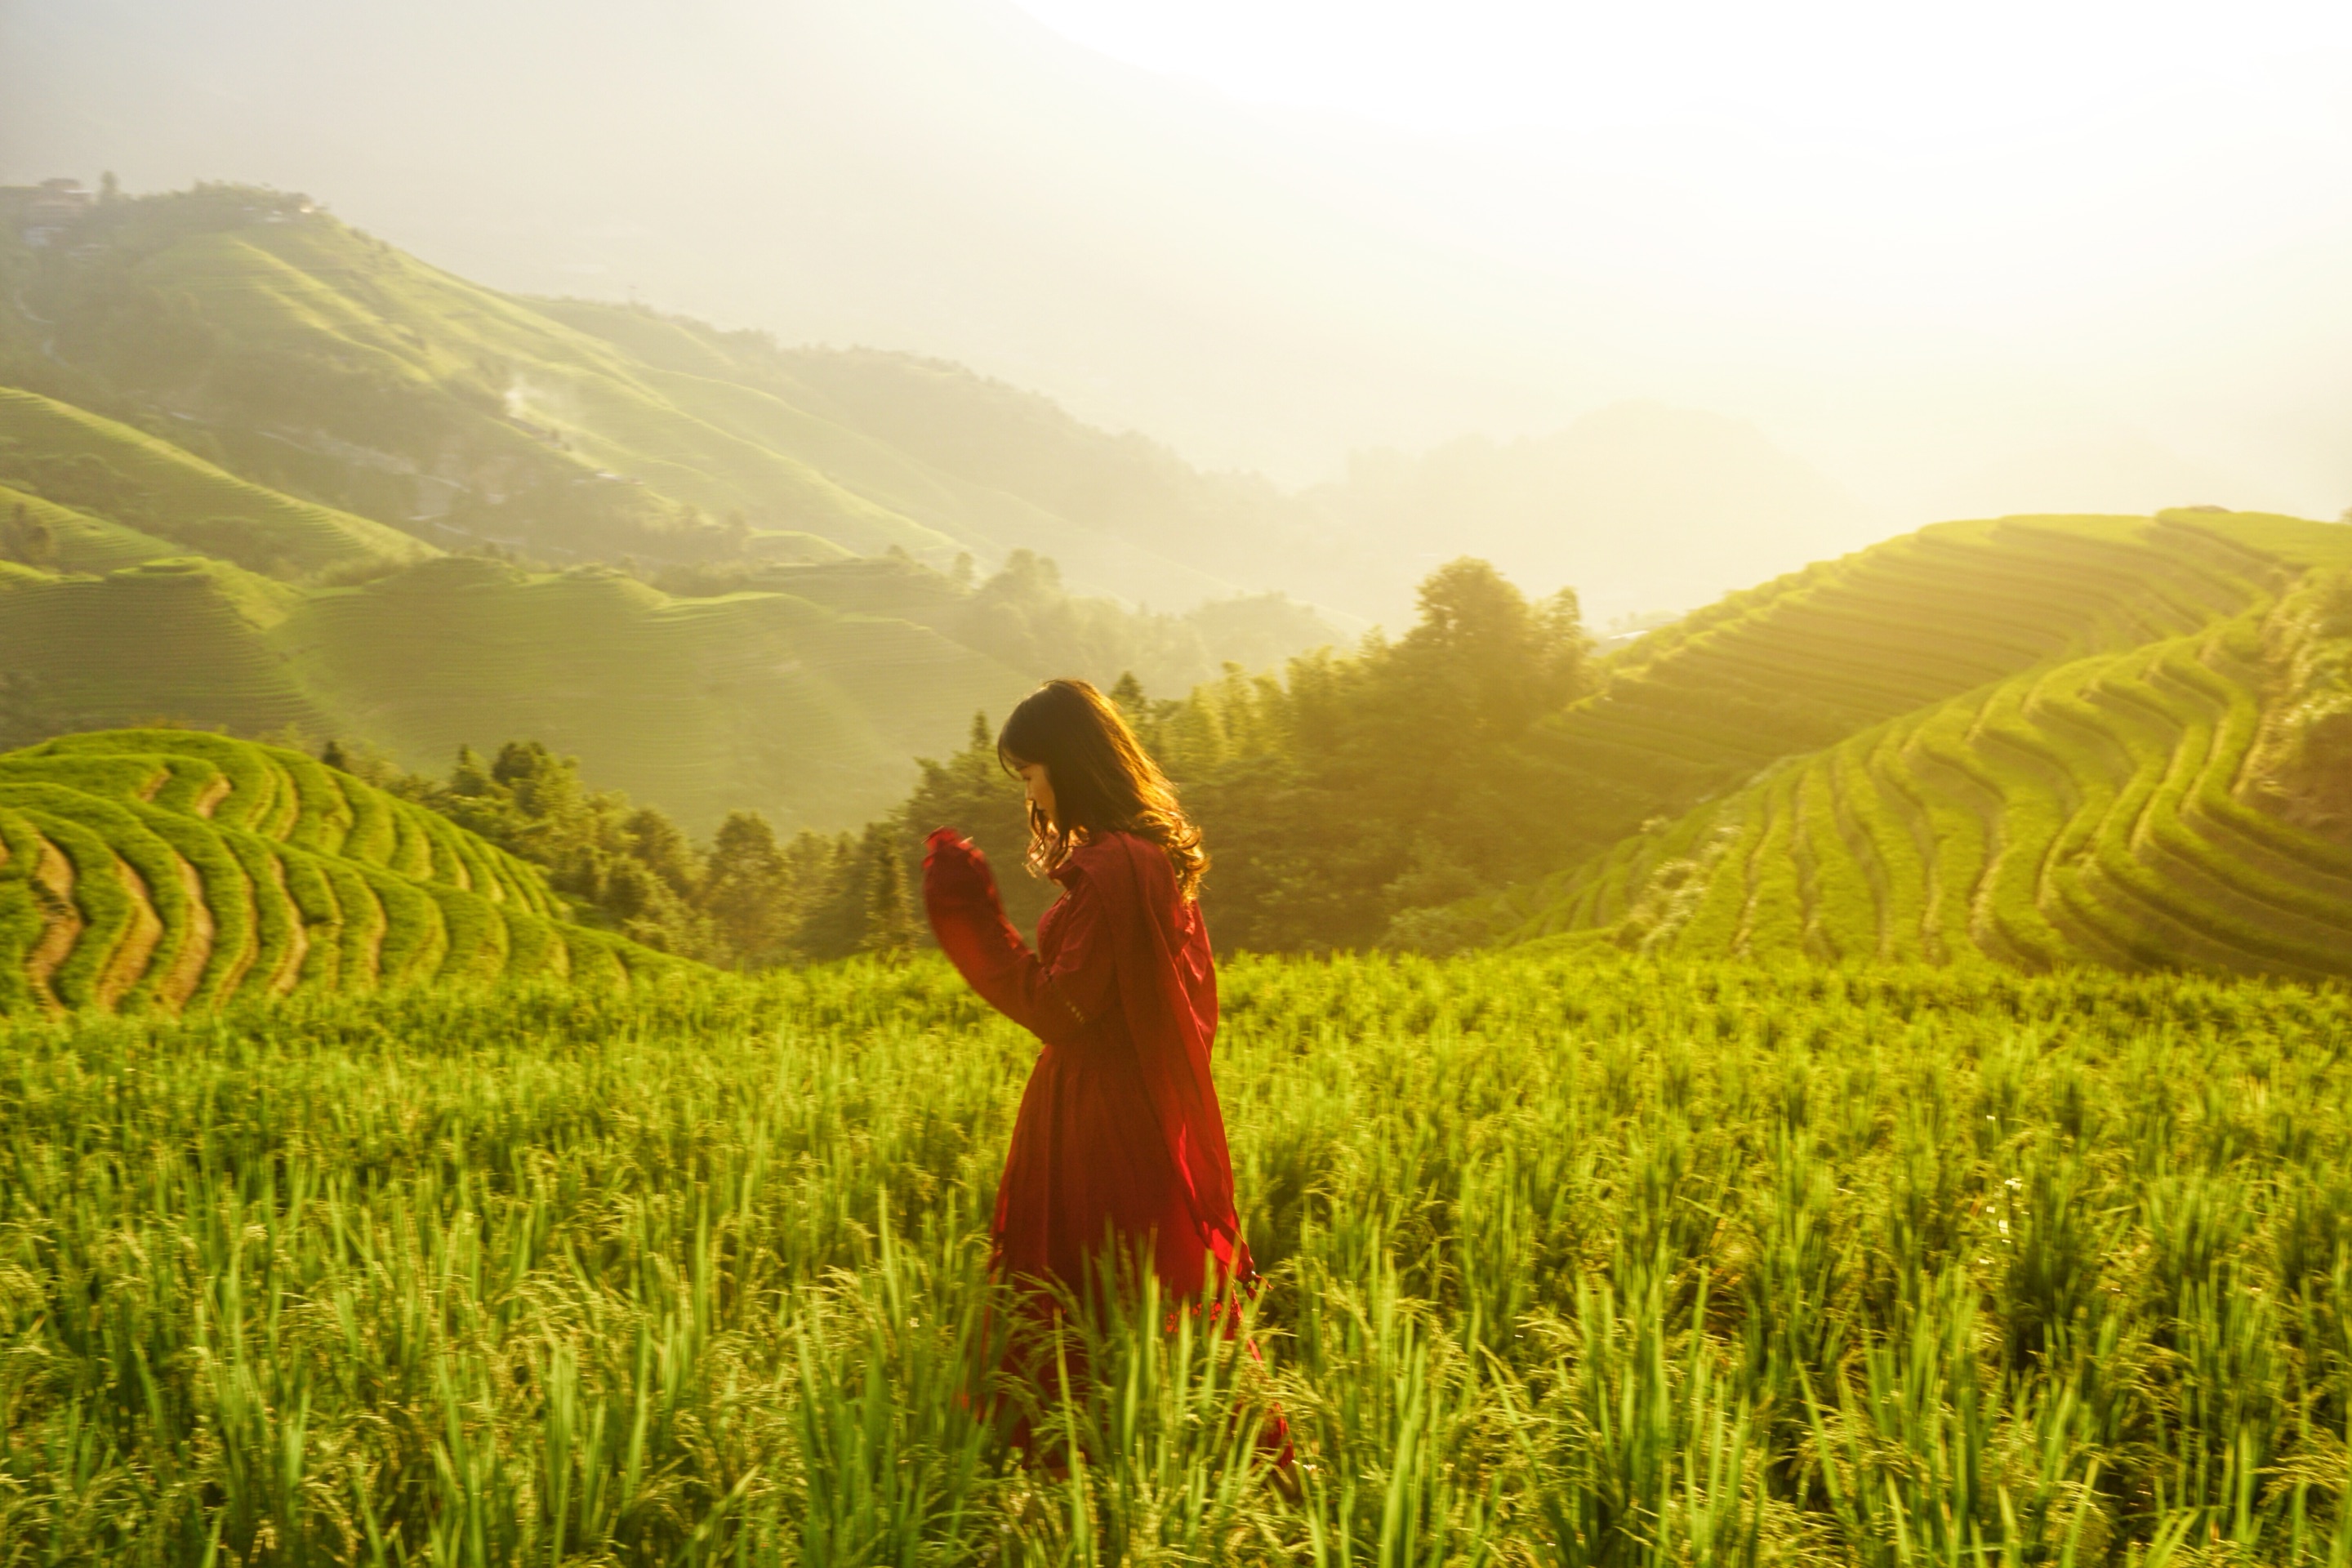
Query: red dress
point(1119, 1137)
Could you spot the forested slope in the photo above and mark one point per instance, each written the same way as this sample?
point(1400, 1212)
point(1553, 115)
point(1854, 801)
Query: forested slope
point(175, 870)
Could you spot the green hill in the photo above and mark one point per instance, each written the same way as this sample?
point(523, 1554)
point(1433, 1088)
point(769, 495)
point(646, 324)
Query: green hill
point(116, 494)
point(296, 352)
point(760, 699)
point(1810, 658)
point(175, 870)
point(803, 691)
point(247, 430)
point(35, 529)
point(2041, 742)
point(205, 652)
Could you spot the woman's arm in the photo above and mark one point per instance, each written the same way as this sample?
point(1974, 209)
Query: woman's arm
point(1054, 1003)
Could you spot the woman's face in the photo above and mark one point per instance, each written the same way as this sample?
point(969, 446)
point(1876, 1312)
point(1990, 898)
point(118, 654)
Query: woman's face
point(1039, 788)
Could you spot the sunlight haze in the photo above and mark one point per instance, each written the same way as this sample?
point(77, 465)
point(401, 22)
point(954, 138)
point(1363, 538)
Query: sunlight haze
point(1959, 262)
point(1103, 782)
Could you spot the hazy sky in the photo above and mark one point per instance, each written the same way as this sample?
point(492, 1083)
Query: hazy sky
point(1931, 80)
point(2113, 228)
point(1967, 259)
point(1987, 166)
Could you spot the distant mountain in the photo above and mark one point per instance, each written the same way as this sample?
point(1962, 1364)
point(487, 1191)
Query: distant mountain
point(304, 355)
point(939, 174)
point(936, 441)
point(261, 333)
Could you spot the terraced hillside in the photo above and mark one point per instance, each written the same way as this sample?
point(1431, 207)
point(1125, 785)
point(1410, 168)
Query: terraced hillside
point(702, 705)
point(1814, 656)
point(2102, 802)
point(205, 651)
point(34, 527)
point(759, 700)
point(245, 429)
point(173, 870)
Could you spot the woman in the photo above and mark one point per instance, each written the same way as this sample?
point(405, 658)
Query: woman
point(1119, 1148)
point(1119, 1143)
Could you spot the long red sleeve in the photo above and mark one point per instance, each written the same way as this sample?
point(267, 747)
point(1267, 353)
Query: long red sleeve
point(968, 917)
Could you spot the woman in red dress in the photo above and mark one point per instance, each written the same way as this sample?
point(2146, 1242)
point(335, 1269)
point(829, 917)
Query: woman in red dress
point(1119, 1144)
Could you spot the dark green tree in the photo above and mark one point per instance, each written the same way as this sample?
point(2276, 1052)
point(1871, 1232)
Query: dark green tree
point(663, 847)
point(889, 917)
point(746, 890)
point(831, 908)
point(1396, 779)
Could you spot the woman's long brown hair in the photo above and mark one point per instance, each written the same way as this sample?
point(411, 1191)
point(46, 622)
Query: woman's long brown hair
point(1104, 781)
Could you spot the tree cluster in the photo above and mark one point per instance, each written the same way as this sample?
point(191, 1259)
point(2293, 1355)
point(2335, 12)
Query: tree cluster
point(1356, 800)
point(1353, 801)
point(747, 900)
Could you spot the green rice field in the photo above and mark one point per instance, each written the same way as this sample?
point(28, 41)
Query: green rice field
point(2036, 741)
point(1606, 1261)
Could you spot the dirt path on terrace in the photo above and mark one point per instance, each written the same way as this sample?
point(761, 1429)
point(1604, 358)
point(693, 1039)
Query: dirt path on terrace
point(139, 943)
point(187, 970)
point(298, 934)
point(53, 887)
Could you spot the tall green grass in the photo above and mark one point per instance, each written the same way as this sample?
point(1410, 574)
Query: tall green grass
point(1617, 1263)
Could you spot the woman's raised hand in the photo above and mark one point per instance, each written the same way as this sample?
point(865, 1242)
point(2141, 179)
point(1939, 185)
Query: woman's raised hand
point(952, 863)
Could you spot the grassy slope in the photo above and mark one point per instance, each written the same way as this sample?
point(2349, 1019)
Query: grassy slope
point(173, 869)
point(304, 286)
point(2080, 810)
point(204, 652)
point(702, 705)
point(87, 542)
point(317, 359)
point(182, 492)
point(700, 370)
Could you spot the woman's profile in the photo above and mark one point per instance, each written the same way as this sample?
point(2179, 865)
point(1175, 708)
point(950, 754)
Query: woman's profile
point(1119, 1141)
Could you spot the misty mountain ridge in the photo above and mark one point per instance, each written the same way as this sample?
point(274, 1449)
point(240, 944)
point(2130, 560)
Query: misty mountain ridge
point(1262, 287)
point(308, 357)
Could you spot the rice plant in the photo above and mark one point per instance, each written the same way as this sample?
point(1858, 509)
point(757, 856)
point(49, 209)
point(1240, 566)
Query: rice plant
point(1569, 1263)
